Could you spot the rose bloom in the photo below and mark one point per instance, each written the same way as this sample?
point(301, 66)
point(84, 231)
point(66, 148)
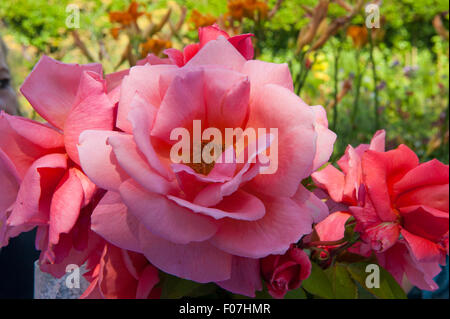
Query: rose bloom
point(343, 185)
point(45, 187)
point(206, 222)
point(285, 272)
point(401, 208)
point(120, 274)
point(242, 43)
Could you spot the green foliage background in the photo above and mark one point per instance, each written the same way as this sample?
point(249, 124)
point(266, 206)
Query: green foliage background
point(413, 106)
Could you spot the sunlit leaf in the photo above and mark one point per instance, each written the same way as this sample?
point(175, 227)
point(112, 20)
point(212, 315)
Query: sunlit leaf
point(388, 286)
point(318, 283)
point(343, 285)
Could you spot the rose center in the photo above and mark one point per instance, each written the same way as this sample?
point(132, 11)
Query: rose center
point(206, 165)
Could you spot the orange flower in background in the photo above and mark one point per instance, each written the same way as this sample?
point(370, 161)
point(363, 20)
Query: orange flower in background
point(133, 10)
point(115, 32)
point(236, 9)
point(255, 6)
point(125, 18)
point(200, 20)
point(239, 9)
point(155, 46)
point(359, 35)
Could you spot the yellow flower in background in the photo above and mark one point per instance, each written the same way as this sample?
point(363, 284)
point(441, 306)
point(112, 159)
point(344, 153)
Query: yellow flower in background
point(359, 35)
point(320, 66)
point(201, 20)
point(322, 76)
point(155, 46)
point(320, 62)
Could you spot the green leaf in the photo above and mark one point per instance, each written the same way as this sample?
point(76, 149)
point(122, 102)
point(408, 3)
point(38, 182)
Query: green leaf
point(363, 293)
point(205, 290)
point(349, 233)
point(175, 288)
point(263, 294)
point(388, 286)
point(343, 285)
point(318, 283)
point(296, 294)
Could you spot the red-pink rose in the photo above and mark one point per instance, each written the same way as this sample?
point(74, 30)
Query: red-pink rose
point(48, 187)
point(121, 274)
point(283, 273)
point(405, 198)
point(9, 184)
point(407, 203)
point(332, 228)
point(400, 206)
point(397, 259)
point(343, 186)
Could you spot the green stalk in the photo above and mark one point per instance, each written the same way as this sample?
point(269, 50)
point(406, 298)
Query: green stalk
point(374, 75)
point(299, 76)
point(444, 127)
point(304, 74)
point(336, 88)
point(358, 81)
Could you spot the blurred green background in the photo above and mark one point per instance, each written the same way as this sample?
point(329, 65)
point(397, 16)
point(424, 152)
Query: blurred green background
point(394, 77)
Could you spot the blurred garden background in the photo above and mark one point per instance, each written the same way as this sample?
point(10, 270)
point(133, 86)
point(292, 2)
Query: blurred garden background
point(393, 77)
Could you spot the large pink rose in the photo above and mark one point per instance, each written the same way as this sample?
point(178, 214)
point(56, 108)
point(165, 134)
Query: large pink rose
point(207, 222)
point(45, 185)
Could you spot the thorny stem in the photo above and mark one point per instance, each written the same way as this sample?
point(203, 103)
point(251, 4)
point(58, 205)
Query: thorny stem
point(343, 244)
point(344, 247)
point(326, 243)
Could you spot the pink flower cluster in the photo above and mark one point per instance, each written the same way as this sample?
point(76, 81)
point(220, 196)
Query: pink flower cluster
point(401, 208)
point(98, 182)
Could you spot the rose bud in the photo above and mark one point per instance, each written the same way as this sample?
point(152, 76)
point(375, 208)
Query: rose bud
point(285, 272)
